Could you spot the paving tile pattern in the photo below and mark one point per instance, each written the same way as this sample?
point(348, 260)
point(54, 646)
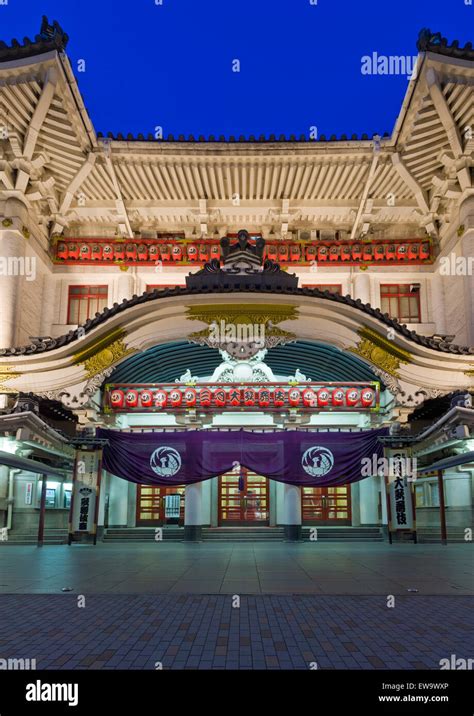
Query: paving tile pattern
point(119, 631)
point(255, 568)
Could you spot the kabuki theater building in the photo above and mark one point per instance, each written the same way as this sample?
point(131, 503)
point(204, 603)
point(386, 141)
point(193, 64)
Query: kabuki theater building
point(243, 337)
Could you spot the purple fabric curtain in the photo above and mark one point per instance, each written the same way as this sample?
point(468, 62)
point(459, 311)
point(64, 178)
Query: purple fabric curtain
point(297, 457)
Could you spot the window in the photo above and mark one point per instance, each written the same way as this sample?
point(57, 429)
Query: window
point(434, 494)
point(85, 302)
point(401, 301)
point(419, 495)
point(333, 287)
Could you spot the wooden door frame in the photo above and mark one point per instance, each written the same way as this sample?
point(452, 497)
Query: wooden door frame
point(241, 523)
point(333, 522)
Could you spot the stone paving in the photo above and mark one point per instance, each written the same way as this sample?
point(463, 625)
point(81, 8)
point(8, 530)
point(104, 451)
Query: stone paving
point(208, 632)
point(255, 568)
point(175, 604)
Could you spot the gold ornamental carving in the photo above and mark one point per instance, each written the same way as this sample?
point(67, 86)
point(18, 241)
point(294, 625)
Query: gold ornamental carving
point(7, 372)
point(102, 355)
point(262, 316)
point(380, 351)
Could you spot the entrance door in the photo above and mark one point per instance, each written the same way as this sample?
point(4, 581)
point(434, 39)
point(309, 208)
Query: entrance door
point(157, 506)
point(249, 506)
point(326, 505)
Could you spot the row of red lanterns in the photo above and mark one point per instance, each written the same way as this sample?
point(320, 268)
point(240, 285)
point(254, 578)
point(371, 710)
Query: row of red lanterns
point(235, 397)
point(277, 252)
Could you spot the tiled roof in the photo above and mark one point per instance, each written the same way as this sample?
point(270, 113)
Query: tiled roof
point(51, 37)
point(156, 294)
point(434, 42)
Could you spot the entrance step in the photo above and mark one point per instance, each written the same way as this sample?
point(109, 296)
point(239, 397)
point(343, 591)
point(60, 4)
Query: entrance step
point(242, 534)
point(142, 534)
point(51, 536)
point(344, 534)
point(432, 535)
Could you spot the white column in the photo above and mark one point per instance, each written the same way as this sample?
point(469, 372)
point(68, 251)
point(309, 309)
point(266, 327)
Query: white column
point(369, 496)
point(292, 512)
point(124, 286)
point(193, 512)
point(466, 219)
point(362, 287)
point(11, 247)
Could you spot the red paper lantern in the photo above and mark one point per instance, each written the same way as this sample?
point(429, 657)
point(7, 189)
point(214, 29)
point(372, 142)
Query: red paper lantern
point(203, 252)
point(177, 252)
point(142, 252)
point(323, 253)
point(146, 398)
point(367, 397)
point(323, 397)
point(352, 396)
point(234, 397)
point(278, 398)
point(85, 252)
point(62, 250)
point(402, 251)
point(190, 397)
point(131, 398)
point(108, 252)
point(391, 252)
point(119, 252)
point(250, 397)
point(160, 398)
point(311, 253)
point(294, 397)
point(73, 251)
point(338, 396)
point(379, 252)
point(346, 253)
point(357, 252)
point(219, 397)
point(176, 398)
point(295, 252)
point(309, 398)
point(131, 252)
point(165, 252)
point(367, 253)
point(154, 252)
point(334, 253)
point(264, 397)
point(215, 251)
point(96, 252)
point(413, 251)
point(117, 398)
point(205, 397)
point(283, 252)
point(192, 252)
point(425, 251)
point(272, 252)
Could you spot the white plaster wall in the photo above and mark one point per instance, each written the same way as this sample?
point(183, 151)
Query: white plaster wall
point(118, 501)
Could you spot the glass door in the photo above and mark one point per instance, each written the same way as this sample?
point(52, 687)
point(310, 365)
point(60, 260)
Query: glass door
point(243, 499)
point(326, 505)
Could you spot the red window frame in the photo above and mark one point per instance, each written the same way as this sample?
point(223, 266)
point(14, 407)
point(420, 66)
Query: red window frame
point(91, 295)
point(403, 291)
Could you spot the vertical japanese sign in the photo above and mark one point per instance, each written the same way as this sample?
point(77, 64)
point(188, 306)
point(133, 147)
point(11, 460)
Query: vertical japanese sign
point(400, 478)
point(85, 490)
point(28, 493)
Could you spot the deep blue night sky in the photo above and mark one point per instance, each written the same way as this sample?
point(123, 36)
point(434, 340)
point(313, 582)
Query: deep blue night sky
point(171, 64)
